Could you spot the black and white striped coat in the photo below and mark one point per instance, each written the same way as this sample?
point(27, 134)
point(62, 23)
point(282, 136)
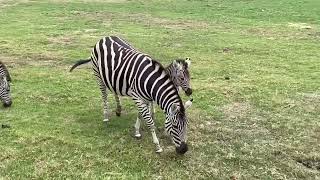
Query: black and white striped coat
point(5, 80)
point(127, 72)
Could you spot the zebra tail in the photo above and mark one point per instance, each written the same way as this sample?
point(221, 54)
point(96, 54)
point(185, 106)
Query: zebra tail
point(78, 63)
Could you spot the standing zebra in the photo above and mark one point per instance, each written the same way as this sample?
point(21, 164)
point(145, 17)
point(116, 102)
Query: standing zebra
point(5, 80)
point(127, 72)
point(178, 72)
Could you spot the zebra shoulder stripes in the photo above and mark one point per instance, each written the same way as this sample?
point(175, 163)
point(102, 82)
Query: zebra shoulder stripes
point(5, 80)
point(127, 72)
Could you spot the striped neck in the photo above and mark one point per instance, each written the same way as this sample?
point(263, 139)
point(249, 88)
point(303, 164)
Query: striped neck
point(164, 91)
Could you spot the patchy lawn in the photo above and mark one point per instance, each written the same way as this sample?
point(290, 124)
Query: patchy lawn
point(255, 74)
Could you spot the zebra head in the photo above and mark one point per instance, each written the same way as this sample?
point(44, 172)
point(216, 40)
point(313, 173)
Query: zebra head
point(181, 76)
point(5, 96)
point(176, 126)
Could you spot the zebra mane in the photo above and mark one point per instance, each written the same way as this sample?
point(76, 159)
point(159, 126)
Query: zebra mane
point(2, 66)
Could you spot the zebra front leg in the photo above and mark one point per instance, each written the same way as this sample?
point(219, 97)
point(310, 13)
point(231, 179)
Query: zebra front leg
point(137, 127)
point(118, 110)
point(144, 111)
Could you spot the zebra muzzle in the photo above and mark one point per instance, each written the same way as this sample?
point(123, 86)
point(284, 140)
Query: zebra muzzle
point(183, 148)
point(7, 104)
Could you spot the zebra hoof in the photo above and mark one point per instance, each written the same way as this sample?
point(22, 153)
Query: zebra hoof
point(106, 120)
point(160, 150)
point(138, 136)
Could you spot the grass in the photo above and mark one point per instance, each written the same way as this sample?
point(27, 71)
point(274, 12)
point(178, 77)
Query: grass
point(262, 123)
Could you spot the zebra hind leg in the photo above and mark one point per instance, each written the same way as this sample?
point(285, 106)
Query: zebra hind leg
point(144, 111)
point(152, 110)
point(119, 108)
point(104, 94)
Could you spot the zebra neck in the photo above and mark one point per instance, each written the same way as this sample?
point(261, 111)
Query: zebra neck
point(172, 74)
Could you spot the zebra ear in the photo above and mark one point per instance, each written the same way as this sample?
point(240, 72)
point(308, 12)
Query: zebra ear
point(188, 61)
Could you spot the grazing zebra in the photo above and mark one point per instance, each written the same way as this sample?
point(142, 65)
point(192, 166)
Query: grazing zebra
point(127, 72)
point(178, 71)
point(5, 80)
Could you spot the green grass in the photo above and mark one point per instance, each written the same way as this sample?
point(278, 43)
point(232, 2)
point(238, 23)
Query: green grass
point(263, 123)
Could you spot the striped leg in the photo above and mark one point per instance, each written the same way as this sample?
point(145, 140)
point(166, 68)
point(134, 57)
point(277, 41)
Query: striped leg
point(144, 111)
point(104, 94)
point(137, 127)
point(118, 110)
point(152, 110)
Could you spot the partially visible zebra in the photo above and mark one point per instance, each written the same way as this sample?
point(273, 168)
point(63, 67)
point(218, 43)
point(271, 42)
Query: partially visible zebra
point(178, 72)
point(5, 80)
point(127, 72)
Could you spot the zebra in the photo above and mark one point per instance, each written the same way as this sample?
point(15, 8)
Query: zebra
point(127, 72)
point(5, 80)
point(178, 71)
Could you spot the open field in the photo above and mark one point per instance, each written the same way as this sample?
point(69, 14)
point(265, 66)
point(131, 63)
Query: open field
point(261, 123)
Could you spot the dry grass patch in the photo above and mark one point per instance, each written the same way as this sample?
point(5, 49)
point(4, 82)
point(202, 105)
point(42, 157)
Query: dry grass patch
point(237, 110)
point(90, 1)
point(6, 3)
point(147, 19)
point(43, 59)
point(277, 33)
point(311, 102)
point(61, 40)
point(300, 25)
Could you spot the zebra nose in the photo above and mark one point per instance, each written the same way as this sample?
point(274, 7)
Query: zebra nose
point(183, 148)
point(7, 104)
point(188, 91)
